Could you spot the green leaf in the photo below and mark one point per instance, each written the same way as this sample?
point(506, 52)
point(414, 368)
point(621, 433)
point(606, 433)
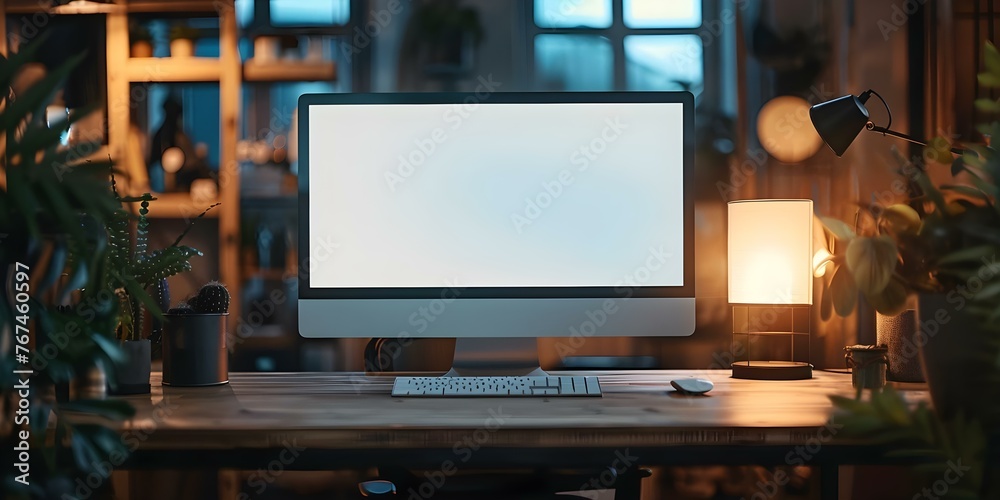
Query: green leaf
point(969, 191)
point(900, 219)
point(973, 254)
point(987, 105)
point(843, 290)
point(872, 260)
point(991, 57)
point(988, 80)
point(891, 300)
point(839, 228)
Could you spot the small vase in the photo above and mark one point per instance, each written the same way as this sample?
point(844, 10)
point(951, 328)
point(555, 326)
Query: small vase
point(182, 47)
point(141, 48)
point(132, 376)
point(194, 350)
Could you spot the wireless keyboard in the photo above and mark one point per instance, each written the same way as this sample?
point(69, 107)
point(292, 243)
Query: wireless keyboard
point(471, 387)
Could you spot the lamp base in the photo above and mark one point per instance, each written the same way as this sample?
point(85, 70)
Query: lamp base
point(772, 370)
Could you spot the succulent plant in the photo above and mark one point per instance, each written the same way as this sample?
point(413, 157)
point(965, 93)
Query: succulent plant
point(213, 298)
point(180, 310)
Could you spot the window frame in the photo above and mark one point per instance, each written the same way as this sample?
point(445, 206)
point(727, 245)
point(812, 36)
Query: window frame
point(616, 34)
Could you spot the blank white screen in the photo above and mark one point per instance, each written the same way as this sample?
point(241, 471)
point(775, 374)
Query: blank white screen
point(424, 195)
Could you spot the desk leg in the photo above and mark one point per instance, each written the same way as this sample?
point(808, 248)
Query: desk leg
point(229, 484)
point(829, 482)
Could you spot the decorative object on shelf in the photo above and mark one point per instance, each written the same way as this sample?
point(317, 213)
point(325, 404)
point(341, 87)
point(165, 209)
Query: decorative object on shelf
point(195, 353)
point(133, 270)
point(174, 159)
point(265, 49)
point(59, 254)
point(182, 40)
point(868, 365)
point(140, 39)
point(770, 286)
point(900, 335)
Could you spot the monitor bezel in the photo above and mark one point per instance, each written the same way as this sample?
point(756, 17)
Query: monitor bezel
point(306, 291)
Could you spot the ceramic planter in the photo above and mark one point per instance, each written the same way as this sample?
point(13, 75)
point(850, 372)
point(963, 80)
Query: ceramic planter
point(132, 376)
point(899, 334)
point(194, 350)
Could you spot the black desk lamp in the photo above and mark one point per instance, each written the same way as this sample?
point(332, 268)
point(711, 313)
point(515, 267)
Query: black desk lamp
point(840, 120)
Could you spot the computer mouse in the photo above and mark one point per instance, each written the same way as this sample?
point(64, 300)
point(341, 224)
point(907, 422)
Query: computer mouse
point(692, 385)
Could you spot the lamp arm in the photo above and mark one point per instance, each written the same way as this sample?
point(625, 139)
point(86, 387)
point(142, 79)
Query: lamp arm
point(884, 131)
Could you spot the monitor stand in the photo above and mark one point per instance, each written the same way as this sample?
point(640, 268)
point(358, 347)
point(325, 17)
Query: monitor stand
point(496, 357)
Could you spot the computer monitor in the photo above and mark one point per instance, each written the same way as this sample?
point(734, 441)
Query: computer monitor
point(502, 216)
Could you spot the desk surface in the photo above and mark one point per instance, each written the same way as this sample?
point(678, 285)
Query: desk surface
point(349, 411)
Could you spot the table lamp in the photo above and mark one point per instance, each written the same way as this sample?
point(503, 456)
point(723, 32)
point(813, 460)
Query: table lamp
point(771, 287)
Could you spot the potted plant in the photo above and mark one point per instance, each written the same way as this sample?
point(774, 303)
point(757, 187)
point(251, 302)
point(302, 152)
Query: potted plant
point(194, 341)
point(53, 221)
point(141, 41)
point(134, 269)
point(941, 247)
point(182, 39)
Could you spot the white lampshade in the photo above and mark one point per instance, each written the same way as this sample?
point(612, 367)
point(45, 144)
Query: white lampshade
point(770, 252)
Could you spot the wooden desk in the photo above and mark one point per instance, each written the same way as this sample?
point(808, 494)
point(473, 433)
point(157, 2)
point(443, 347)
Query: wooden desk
point(348, 420)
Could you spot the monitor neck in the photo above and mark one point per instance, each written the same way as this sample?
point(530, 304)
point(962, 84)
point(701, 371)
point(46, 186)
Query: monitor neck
point(481, 357)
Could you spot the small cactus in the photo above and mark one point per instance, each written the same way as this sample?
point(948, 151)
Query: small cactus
point(213, 298)
point(181, 309)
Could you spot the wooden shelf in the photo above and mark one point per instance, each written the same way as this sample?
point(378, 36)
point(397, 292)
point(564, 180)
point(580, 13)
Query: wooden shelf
point(284, 71)
point(173, 69)
point(177, 206)
point(34, 6)
point(186, 7)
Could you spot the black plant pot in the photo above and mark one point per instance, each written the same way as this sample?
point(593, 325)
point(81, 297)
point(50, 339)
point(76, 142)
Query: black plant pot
point(132, 376)
point(194, 350)
point(959, 361)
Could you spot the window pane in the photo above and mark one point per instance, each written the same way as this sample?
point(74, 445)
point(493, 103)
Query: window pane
point(573, 62)
point(309, 12)
point(573, 13)
point(662, 13)
point(664, 62)
point(244, 12)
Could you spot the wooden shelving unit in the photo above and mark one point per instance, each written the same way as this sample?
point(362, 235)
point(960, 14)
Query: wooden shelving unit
point(225, 71)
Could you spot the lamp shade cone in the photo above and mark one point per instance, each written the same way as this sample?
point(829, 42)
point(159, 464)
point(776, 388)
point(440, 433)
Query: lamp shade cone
point(839, 121)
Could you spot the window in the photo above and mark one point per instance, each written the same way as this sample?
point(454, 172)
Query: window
point(620, 44)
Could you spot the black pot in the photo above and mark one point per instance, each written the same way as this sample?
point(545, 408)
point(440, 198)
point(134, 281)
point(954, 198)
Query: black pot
point(958, 360)
point(194, 350)
point(132, 376)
